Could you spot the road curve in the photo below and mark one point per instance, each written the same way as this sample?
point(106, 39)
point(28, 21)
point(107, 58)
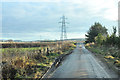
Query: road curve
point(81, 64)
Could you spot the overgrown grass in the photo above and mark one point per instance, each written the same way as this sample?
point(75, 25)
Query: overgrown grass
point(111, 54)
point(31, 62)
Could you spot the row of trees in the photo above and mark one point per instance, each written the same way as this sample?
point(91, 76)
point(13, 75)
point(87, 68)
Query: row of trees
point(99, 35)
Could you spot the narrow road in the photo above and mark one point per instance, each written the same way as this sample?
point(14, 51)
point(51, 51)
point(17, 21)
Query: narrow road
point(81, 64)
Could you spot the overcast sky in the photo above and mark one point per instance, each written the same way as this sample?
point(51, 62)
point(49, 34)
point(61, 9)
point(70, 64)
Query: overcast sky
point(34, 20)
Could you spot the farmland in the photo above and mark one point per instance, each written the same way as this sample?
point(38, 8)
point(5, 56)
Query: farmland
point(31, 60)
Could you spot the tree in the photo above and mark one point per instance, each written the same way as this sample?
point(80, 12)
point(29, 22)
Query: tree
point(94, 31)
point(113, 39)
point(99, 39)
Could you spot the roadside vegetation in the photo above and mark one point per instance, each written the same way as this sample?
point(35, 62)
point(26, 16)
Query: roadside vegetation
point(100, 42)
point(31, 62)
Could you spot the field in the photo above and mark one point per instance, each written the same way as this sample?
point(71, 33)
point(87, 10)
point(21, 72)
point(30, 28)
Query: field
point(27, 44)
point(31, 60)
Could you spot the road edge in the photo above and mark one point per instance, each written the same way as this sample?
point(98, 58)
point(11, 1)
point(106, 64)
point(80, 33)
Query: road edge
point(110, 66)
point(55, 64)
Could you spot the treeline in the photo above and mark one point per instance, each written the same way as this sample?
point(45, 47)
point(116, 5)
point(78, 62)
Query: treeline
point(27, 44)
point(99, 35)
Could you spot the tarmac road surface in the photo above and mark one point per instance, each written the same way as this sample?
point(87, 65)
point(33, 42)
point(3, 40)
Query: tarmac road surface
point(82, 64)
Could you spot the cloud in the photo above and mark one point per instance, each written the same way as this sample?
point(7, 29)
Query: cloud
point(70, 7)
point(42, 17)
point(101, 8)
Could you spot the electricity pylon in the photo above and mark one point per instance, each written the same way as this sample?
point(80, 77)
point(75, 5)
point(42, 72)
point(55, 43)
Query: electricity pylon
point(63, 28)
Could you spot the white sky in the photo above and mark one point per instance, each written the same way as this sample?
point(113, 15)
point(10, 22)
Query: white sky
point(80, 13)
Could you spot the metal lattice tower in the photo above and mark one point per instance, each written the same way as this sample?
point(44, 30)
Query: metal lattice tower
point(63, 28)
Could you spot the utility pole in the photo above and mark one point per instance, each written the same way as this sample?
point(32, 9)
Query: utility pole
point(119, 18)
point(63, 28)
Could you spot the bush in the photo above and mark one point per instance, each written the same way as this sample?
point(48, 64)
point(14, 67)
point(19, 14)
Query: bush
point(60, 52)
point(28, 70)
point(118, 64)
point(8, 71)
point(109, 57)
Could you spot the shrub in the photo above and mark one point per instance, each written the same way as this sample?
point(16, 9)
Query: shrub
point(8, 71)
point(118, 64)
point(109, 57)
point(28, 70)
point(116, 61)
